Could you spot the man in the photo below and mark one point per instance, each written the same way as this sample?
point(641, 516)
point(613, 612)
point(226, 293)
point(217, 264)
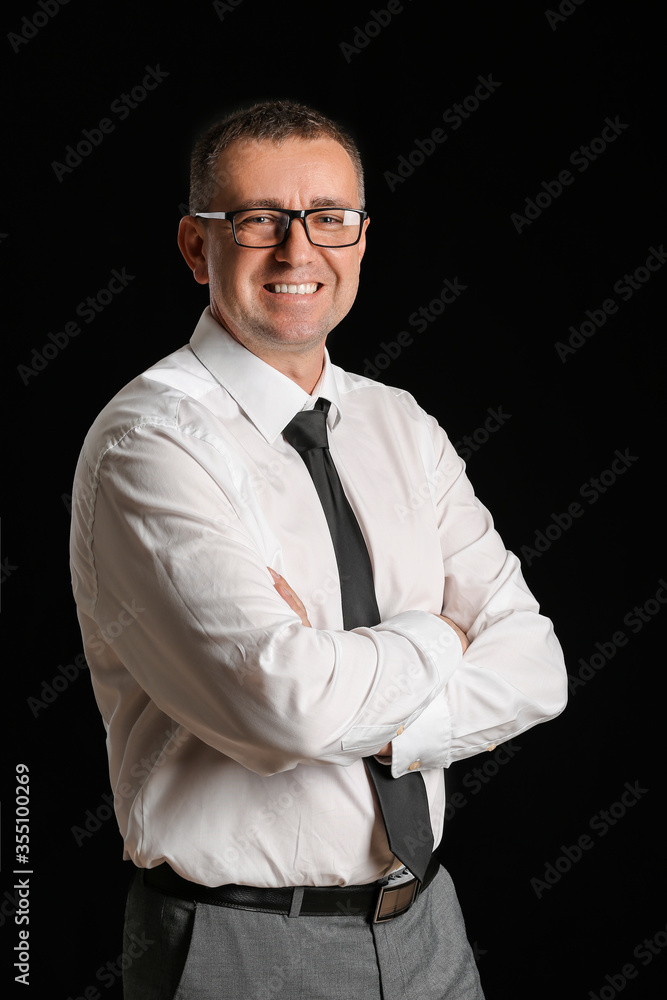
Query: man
point(256, 734)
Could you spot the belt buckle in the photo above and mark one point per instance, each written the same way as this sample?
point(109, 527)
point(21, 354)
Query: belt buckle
point(397, 896)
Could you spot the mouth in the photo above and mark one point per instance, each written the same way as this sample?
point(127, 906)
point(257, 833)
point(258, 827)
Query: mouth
point(305, 289)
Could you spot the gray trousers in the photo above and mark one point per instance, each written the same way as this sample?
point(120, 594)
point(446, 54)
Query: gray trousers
point(181, 950)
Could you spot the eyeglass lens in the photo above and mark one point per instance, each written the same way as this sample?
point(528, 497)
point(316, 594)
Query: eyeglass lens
point(328, 228)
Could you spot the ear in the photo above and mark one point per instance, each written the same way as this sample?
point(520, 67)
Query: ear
point(362, 241)
point(191, 243)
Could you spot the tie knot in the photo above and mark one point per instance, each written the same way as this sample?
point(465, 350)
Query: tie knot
point(308, 429)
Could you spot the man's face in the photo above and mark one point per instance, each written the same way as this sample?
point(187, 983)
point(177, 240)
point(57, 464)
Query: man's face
point(296, 174)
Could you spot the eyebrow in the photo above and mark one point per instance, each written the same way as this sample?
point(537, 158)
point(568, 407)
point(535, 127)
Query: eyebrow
point(278, 205)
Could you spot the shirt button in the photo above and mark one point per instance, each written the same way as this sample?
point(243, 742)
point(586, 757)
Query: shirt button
point(401, 729)
point(415, 764)
point(491, 746)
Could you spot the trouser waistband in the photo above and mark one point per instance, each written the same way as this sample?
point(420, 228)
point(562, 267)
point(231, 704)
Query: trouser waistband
point(381, 900)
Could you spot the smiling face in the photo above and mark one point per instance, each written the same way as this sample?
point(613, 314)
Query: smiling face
point(317, 286)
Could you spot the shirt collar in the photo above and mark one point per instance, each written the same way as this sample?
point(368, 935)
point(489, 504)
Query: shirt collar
point(269, 398)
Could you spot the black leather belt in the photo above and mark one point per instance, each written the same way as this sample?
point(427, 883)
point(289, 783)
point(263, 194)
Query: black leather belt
point(382, 900)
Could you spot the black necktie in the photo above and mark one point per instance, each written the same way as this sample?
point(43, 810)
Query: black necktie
point(403, 800)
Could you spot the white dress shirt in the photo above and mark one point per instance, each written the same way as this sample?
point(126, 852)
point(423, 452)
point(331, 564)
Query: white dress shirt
point(236, 734)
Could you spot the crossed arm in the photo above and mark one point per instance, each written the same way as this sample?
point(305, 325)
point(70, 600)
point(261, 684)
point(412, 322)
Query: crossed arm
point(297, 605)
point(214, 652)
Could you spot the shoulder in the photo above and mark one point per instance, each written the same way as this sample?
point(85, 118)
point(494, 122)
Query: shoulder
point(395, 416)
point(153, 399)
point(365, 394)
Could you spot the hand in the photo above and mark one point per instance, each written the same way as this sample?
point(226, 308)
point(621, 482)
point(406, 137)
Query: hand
point(386, 751)
point(296, 604)
point(465, 642)
point(288, 595)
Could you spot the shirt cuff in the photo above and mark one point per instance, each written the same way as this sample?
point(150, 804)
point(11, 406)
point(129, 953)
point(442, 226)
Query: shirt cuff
point(432, 636)
point(439, 655)
point(426, 743)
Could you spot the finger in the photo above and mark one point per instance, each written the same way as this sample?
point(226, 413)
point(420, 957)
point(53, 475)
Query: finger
point(283, 587)
point(289, 596)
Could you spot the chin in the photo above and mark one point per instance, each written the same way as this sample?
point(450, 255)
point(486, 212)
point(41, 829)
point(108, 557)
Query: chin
point(294, 334)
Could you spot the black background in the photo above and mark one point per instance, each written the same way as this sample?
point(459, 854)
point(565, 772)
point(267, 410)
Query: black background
point(555, 83)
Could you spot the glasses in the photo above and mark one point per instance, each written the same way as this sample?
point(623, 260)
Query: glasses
point(265, 227)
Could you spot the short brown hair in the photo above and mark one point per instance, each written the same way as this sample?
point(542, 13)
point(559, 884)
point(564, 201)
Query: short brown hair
point(271, 121)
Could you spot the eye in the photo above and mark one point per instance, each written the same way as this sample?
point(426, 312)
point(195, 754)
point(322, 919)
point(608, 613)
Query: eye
point(256, 220)
point(330, 218)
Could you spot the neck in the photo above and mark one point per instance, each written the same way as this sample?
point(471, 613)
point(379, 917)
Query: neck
point(304, 370)
point(306, 380)
point(302, 363)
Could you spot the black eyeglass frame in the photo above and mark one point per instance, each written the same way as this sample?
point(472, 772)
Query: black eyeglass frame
point(292, 214)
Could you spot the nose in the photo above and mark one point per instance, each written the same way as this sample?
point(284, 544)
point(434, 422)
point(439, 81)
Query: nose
point(297, 248)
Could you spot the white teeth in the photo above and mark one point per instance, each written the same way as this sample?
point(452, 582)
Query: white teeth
point(308, 289)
